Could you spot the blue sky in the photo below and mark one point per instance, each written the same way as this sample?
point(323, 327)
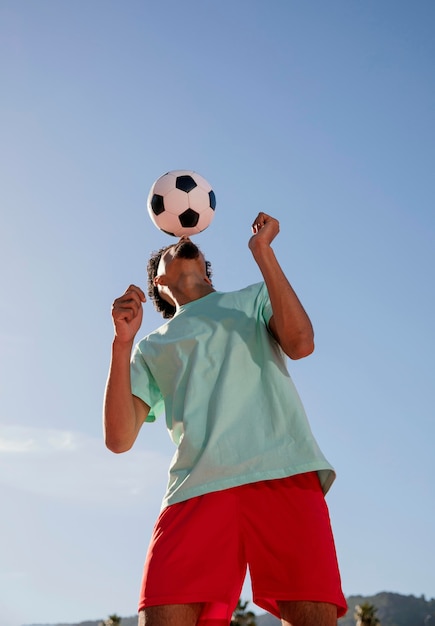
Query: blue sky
point(320, 113)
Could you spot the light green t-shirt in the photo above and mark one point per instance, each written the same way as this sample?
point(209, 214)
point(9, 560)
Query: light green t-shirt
point(231, 407)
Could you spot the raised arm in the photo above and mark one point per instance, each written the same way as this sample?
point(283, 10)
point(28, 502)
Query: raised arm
point(123, 413)
point(289, 324)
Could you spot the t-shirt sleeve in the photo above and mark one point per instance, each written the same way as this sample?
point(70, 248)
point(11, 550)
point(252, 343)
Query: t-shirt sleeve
point(144, 386)
point(265, 307)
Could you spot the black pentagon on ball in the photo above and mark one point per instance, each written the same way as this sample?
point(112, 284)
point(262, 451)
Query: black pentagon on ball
point(157, 204)
point(185, 183)
point(189, 218)
point(212, 200)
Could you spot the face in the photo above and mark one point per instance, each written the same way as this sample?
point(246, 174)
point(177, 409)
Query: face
point(184, 256)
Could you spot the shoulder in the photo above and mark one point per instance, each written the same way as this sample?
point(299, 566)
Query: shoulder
point(249, 292)
point(157, 335)
point(253, 299)
point(256, 293)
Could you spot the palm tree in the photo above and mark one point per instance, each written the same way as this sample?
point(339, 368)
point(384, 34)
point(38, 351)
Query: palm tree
point(242, 617)
point(365, 615)
point(113, 620)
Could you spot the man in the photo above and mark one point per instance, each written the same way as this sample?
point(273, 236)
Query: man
point(247, 482)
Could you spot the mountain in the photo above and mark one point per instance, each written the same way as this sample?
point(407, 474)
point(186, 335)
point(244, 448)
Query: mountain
point(393, 610)
point(266, 619)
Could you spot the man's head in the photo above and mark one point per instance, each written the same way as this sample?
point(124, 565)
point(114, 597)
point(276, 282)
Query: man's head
point(161, 260)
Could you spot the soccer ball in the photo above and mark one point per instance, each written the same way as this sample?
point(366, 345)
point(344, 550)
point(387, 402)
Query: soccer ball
point(181, 202)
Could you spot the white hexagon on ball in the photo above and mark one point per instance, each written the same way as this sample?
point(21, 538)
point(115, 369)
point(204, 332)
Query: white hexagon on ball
point(181, 202)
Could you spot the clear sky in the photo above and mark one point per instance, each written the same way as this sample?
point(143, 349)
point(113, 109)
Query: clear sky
point(320, 113)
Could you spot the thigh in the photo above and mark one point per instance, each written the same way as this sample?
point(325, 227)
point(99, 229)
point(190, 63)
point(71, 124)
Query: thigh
point(195, 556)
point(170, 615)
point(307, 613)
point(291, 552)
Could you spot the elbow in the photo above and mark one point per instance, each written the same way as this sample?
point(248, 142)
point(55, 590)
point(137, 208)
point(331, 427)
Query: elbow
point(300, 350)
point(297, 344)
point(117, 445)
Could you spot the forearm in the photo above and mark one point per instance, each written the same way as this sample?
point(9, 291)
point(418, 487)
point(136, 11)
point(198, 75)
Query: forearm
point(120, 421)
point(290, 323)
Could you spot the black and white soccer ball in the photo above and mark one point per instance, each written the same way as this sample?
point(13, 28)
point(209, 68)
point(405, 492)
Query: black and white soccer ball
point(181, 202)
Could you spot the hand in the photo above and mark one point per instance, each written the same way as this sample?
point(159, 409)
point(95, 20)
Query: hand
point(127, 313)
point(265, 229)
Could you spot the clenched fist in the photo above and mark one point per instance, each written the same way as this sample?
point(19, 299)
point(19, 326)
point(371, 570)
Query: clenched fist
point(127, 313)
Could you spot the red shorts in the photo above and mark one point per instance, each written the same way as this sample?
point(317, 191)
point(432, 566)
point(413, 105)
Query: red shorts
point(200, 549)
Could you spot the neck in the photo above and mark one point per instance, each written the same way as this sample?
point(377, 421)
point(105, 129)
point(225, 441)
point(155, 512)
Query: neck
point(186, 290)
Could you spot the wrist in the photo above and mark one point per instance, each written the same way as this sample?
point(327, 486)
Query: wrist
point(120, 345)
point(260, 250)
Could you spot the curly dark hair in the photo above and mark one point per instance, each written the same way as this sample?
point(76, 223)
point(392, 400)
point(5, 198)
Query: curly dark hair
point(161, 305)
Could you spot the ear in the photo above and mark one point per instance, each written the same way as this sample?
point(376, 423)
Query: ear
point(159, 280)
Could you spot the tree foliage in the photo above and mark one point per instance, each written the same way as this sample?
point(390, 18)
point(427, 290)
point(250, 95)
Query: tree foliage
point(113, 620)
point(242, 617)
point(365, 614)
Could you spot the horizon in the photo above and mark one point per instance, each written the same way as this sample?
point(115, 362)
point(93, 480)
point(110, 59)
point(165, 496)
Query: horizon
point(251, 607)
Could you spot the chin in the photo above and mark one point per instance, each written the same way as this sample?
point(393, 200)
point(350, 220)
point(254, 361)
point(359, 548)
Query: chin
point(186, 249)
